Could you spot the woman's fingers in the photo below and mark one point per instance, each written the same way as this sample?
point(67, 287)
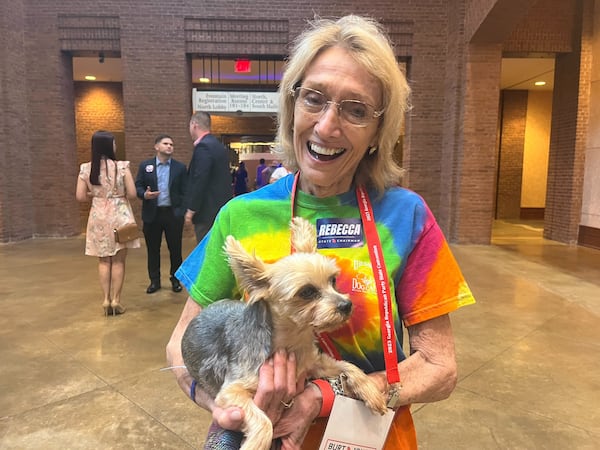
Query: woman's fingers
point(277, 384)
point(229, 419)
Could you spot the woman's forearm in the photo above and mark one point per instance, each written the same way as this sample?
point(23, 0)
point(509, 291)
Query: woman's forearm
point(175, 358)
point(429, 374)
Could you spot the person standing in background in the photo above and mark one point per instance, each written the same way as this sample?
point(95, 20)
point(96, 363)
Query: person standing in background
point(259, 182)
point(160, 183)
point(278, 173)
point(268, 171)
point(240, 181)
point(209, 178)
point(109, 184)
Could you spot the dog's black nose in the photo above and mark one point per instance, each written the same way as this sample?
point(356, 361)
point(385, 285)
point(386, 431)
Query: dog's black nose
point(344, 306)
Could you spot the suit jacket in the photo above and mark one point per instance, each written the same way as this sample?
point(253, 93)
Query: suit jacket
point(209, 180)
point(146, 176)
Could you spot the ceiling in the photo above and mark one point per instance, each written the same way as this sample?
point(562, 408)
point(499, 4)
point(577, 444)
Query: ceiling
point(517, 73)
point(107, 70)
point(522, 73)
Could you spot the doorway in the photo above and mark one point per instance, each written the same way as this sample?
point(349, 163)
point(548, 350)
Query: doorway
point(523, 145)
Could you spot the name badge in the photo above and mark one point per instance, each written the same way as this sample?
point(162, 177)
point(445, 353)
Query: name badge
point(353, 426)
point(339, 233)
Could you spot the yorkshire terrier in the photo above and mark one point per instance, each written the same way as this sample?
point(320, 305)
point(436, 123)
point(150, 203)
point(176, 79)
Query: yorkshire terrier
point(288, 303)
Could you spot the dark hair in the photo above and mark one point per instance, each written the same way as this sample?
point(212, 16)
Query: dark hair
point(102, 146)
point(160, 137)
point(262, 160)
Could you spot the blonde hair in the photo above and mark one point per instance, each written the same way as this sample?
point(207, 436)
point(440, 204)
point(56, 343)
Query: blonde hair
point(367, 43)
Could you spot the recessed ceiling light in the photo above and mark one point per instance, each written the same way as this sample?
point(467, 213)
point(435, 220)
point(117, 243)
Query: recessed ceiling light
point(90, 77)
point(540, 83)
point(204, 80)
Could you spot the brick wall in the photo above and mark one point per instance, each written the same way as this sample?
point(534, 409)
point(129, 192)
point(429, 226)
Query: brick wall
point(449, 148)
point(512, 146)
point(477, 154)
point(16, 216)
point(51, 130)
point(548, 27)
point(426, 73)
point(453, 116)
point(253, 126)
point(568, 136)
point(491, 21)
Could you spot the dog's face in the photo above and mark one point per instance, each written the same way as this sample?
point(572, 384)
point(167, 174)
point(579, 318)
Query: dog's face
point(299, 287)
point(302, 288)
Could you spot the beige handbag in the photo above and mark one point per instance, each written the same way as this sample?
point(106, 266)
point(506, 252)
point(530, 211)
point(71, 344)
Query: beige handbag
point(129, 231)
point(126, 233)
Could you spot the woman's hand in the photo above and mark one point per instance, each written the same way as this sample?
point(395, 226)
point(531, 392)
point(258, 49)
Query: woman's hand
point(296, 421)
point(277, 385)
point(189, 215)
point(229, 418)
point(282, 396)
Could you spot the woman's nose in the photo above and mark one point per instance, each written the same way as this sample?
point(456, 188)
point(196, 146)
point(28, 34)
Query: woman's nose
point(330, 121)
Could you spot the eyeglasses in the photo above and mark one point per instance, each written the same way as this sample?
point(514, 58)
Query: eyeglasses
point(354, 112)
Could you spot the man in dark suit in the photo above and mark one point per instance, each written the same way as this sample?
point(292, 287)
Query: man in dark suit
point(161, 183)
point(209, 178)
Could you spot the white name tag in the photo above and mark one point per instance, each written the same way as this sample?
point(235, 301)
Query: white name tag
point(352, 426)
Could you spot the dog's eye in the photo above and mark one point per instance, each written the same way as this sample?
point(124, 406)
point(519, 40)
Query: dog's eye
point(332, 281)
point(308, 292)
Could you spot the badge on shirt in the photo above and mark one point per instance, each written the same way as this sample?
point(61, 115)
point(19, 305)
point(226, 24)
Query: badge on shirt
point(149, 168)
point(339, 233)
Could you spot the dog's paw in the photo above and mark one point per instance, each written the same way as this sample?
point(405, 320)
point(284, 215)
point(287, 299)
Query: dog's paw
point(362, 387)
point(376, 402)
point(366, 390)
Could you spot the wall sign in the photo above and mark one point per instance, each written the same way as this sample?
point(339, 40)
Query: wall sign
point(234, 101)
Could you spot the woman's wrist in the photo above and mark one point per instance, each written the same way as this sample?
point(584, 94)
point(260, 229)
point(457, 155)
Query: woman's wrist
point(193, 391)
point(327, 395)
point(185, 381)
point(309, 401)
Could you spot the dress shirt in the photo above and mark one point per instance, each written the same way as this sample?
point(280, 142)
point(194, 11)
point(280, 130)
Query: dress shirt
point(162, 175)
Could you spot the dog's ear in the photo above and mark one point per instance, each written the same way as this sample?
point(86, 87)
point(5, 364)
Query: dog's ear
point(304, 235)
point(249, 271)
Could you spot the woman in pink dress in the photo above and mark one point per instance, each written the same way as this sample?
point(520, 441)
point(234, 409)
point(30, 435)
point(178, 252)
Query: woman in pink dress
point(109, 183)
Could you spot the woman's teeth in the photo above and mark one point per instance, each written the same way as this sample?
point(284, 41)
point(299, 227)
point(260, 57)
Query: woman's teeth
point(323, 153)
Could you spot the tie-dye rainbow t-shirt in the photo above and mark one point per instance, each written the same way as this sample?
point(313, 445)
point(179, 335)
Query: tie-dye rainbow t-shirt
point(426, 281)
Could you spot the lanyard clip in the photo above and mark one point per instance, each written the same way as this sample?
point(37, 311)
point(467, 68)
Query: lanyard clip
point(393, 400)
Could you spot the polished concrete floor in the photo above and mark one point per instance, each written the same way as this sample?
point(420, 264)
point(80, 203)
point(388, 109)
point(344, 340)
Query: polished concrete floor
point(528, 352)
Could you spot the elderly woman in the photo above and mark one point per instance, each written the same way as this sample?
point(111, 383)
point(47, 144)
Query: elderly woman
point(342, 103)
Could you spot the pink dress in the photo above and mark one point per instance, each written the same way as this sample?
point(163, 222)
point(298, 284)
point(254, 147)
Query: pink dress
point(110, 209)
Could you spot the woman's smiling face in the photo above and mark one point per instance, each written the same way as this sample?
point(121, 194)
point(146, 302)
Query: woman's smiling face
point(328, 148)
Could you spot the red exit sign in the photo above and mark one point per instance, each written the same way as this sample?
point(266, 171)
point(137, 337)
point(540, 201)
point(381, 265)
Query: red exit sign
point(242, 66)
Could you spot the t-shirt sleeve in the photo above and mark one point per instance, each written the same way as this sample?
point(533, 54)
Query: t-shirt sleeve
point(432, 283)
point(205, 273)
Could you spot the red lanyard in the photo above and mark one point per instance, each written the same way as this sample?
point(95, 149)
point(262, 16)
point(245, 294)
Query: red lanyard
point(388, 334)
